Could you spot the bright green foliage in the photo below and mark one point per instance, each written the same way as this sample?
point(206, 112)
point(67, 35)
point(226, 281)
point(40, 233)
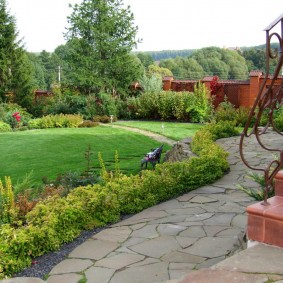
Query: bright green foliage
point(182, 106)
point(7, 202)
point(4, 127)
point(200, 109)
point(156, 70)
point(100, 38)
point(56, 121)
point(214, 131)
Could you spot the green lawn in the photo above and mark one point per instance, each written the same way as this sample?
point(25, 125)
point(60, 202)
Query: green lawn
point(52, 151)
point(173, 130)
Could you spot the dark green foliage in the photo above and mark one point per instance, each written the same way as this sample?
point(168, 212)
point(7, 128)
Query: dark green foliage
point(15, 68)
point(100, 37)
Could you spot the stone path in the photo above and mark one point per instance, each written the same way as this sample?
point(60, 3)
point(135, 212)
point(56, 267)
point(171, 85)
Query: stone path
point(164, 243)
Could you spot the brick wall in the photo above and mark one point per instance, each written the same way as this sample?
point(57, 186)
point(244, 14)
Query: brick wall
point(240, 93)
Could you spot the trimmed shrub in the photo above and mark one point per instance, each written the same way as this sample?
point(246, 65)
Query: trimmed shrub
point(56, 121)
point(4, 127)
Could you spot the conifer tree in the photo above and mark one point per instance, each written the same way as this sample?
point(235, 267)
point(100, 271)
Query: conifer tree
point(15, 68)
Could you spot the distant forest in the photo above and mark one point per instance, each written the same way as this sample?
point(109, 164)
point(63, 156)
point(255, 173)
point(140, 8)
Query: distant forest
point(166, 54)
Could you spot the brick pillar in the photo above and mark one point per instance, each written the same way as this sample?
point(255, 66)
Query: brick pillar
point(279, 184)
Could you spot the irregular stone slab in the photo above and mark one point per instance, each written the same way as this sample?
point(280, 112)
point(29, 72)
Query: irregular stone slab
point(94, 249)
point(120, 260)
point(182, 211)
point(71, 266)
point(210, 262)
point(137, 226)
point(210, 190)
point(133, 241)
point(181, 265)
point(200, 217)
point(170, 204)
point(148, 231)
point(149, 214)
point(156, 272)
point(122, 249)
point(232, 207)
point(22, 280)
point(147, 261)
point(156, 247)
point(116, 234)
point(185, 242)
point(186, 197)
point(257, 259)
point(70, 278)
point(211, 247)
point(170, 229)
point(99, 274)
point(240, 221)
point(213, 230)
point(193, 232)
point(170, 219)
point(223, 219)
point(232, 232)
point(219, 276)
point(202, 199)
point(177, 256)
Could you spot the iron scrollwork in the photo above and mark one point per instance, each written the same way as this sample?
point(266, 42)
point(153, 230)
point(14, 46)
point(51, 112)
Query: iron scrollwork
point(269, 98)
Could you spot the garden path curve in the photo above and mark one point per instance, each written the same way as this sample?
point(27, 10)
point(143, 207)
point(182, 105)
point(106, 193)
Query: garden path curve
point(152, 135)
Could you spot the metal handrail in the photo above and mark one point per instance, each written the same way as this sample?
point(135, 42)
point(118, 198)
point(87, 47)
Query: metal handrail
point(268, 98)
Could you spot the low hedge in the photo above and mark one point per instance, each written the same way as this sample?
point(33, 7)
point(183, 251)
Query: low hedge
point(57, 220)
point(56, 121)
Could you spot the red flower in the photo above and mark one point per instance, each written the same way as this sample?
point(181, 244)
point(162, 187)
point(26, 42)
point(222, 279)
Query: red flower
point(17, 116)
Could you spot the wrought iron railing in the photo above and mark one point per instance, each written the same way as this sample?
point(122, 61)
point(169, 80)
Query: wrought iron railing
point(268, 99)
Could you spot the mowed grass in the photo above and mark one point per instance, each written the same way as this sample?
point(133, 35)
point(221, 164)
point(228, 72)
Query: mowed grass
point(173, 130)
point(50, 152)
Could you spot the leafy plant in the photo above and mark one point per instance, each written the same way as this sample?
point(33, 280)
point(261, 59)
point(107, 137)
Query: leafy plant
point(257, 194)
point(201, 108)
point(7, 201)
point(4, 127)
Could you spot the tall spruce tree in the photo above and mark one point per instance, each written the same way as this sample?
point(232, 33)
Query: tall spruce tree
point(100, 38)
point(15, 67)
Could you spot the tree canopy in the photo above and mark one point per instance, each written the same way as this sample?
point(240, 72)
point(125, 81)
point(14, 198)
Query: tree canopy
point(100, 38)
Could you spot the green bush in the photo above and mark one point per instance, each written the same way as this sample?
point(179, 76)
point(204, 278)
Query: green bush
point(222, 129)
point(200, 109)
point(56, 121)
point(4, 127)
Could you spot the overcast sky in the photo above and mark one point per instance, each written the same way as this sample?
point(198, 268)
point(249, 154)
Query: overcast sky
point(163, 24)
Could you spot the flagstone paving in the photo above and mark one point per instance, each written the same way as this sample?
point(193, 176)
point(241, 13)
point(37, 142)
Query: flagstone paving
point(187, 239)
